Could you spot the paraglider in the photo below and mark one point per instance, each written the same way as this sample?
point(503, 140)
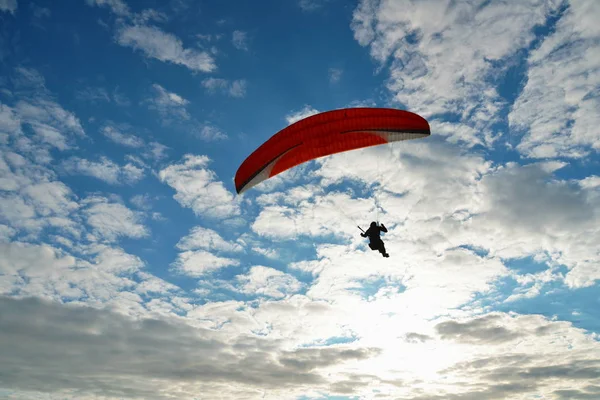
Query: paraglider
point(324, 134)
point(374, 235)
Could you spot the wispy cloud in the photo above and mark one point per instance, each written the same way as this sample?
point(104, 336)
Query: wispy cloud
point(557, 109)
point(8, 6)
point(50, 121)
point(311, 5)
point(207, 239)
point(125, 139)
point(280, 296)
point(173, 111)
point(39, 14)
point(201, 262)
point(118, 7)
point(445, 63)
point(273, 369)
point(157, 151)
point(93, 94)
point(296, 116)
point(163, 46)
point(335, 74)
point(104, 169)
point(110, 220)
point(240, 40)
point(197, 187)
point(96, 95)
point(236, 88)
point(265, 281)
point(153, 151)
point(142, 201)
point(150, 15)
point(35, 107)
point(168, 104)
point(120, 98)
point(209, 133)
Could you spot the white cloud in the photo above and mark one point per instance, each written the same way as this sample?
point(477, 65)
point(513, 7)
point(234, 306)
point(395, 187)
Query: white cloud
point(104, 169)
point(557, 109)
point(200, 262)
point(265, 281)
point(152, 284)
point(454, 350)
point(99, 279)
point(113, 260)
point(526, 212)
point(240, 40)
point(289, 222)
point(33, 260)
point(207, 239)
point(236, 88)
point(50, 198)
point(590, 182)
point(156, 216)
point(413, 325)
point(51, 136)
point(131, 174)
point(111, 221)
point(6, 233)
point(8, 6)
point(269, 253)
point(434, 194)
point(32, 200)
point(197, 187)
point(49, 121)
point(442, 55)
point(10, 122)
point(125, 139)
point(43, 111)
point(296, 116)
point(163, 46)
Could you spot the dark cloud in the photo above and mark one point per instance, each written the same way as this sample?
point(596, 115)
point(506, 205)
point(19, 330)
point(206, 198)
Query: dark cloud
point(309, 359)
point(574, 370)
point(575, 395)
point(528, 198)
point(494, 392)
point(49, 347)
point(352, 383)
point(523, 373)
point(491, 362)
point(590, 392)
point(484, 330)
point(413, 337)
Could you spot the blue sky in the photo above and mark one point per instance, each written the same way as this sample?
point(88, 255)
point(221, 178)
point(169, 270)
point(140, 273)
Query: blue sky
point(131, 269)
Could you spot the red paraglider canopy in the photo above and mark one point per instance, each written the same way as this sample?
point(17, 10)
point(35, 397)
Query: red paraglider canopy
point(325, 134)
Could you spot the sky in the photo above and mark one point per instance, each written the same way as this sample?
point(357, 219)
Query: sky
point(131, 269)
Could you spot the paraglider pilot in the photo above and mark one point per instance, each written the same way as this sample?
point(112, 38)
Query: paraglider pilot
point(375, 242)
